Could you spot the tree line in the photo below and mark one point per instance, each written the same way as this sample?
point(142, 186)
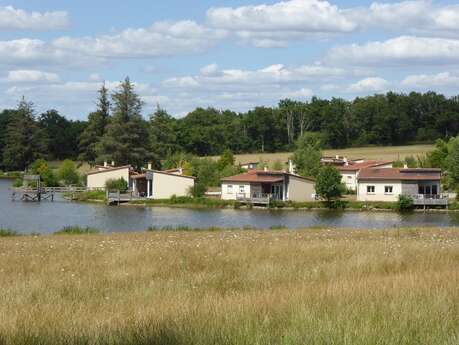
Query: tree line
point(117, 131)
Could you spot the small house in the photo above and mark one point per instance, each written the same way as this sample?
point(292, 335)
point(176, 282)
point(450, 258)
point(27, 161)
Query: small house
point(249, 165)
point(387, 184)
point(97, 179)
point(154, 184)
point(350, 170)
point(260, 186)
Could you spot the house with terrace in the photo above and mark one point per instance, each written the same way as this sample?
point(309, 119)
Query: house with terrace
point(148, 183)
point(263, 186)
point(387, 184)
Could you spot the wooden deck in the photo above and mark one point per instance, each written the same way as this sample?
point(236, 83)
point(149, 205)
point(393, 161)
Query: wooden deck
point(430, 200)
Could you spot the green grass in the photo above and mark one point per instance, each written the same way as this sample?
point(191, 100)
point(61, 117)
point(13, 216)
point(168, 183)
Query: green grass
point(76, 230)
point(187, 202)
point(94, 195)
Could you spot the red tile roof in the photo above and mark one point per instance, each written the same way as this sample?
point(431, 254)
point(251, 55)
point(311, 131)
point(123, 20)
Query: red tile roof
point(363, 165)
point(261, 176)
point(399, 174)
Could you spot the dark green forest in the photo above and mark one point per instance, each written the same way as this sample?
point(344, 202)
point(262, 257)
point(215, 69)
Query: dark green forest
point(118, 130)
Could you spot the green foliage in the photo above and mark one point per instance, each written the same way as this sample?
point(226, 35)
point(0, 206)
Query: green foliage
point(117, 184)
point(126, 139)
point(24, 141)
point(328, 183)
point(307, 155)
point(47, 176)
point(278, 165)
point(163, 134)
point(405, 203)
point(452, 163)
point(68, 173)
point(77, 230)
point(95, 129)
point(8, 233)
point(226, 159)
point(93, 195)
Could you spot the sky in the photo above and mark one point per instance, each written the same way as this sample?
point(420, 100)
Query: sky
point(224, 54)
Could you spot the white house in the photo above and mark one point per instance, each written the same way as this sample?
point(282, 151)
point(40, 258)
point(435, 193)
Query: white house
point(154, 184)
point(277, 185)
point(351, 170)
point(96, 179)
point(249, 165)
point(386, 184)
point(148, 184)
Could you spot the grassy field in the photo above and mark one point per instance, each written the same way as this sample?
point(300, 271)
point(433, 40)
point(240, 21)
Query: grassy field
point(383, 153)
point(232, 287)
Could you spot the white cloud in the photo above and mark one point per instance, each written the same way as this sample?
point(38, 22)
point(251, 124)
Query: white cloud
point(275, 25)
point(369, 85)
point(428, 81)
point(211, 76)
point(272, 25)
point(400, 50)
point(17, 19)
point(32, 76)
point(160, 39)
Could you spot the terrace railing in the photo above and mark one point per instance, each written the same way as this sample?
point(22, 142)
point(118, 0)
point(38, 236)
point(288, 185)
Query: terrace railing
point(430, 199)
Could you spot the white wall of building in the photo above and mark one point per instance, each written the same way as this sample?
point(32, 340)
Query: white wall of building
point(164, 186)
point(230, 190)
point(379, 193)
point(349, 178)
point(98, 180)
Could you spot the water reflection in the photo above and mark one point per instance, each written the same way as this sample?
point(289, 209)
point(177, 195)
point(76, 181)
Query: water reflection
point(48, 217)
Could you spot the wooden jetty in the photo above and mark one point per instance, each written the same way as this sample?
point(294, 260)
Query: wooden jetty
point(115, 197)
point(34, 191)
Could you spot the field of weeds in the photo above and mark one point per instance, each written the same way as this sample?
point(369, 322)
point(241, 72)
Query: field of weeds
point(313, 286)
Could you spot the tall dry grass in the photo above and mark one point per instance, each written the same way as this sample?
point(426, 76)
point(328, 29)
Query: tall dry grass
point(232, 287)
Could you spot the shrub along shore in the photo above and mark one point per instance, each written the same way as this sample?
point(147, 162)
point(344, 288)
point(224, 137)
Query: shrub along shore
point(324, 286)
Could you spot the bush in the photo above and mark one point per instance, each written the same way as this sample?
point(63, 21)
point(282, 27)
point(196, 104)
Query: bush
point(405, 203)
point(117, 184)
point(76, 230)
point(8, 233)
point(68, 173)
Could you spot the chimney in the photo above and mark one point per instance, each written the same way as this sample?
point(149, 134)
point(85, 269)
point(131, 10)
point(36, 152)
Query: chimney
point(105, 164)
point(405, 166)
point(337, 156)
point(346, 162)
point(149, 166)
point(265, 169)
point(113, 163)
point(290, 167)
point(180, 171)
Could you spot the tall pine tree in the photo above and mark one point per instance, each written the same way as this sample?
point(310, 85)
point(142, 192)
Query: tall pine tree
point(126, 139)
point(97, 123)
point(24, 141)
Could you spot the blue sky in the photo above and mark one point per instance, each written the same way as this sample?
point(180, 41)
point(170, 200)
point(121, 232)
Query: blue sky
point(225, 54)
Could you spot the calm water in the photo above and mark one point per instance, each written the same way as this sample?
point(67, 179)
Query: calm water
point(48, 217)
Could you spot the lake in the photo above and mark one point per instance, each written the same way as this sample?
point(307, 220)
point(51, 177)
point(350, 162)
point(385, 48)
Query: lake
point(47, 217)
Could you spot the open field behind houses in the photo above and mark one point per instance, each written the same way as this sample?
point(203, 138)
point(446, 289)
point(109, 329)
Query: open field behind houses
point(382, 153)
point(232, 287)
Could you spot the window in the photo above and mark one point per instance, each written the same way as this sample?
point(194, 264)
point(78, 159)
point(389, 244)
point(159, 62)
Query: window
point(370, 189)
point(230, 189)
point(421, 190)
point(349, 177)
point(434, 189)
point(241, 189)
point(388, 189)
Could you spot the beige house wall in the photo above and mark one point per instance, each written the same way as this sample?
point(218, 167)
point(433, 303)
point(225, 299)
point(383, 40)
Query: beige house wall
point(98, 180)
point(300, 190)
point(167, 185)
point(230, 190)
point(379, 194)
